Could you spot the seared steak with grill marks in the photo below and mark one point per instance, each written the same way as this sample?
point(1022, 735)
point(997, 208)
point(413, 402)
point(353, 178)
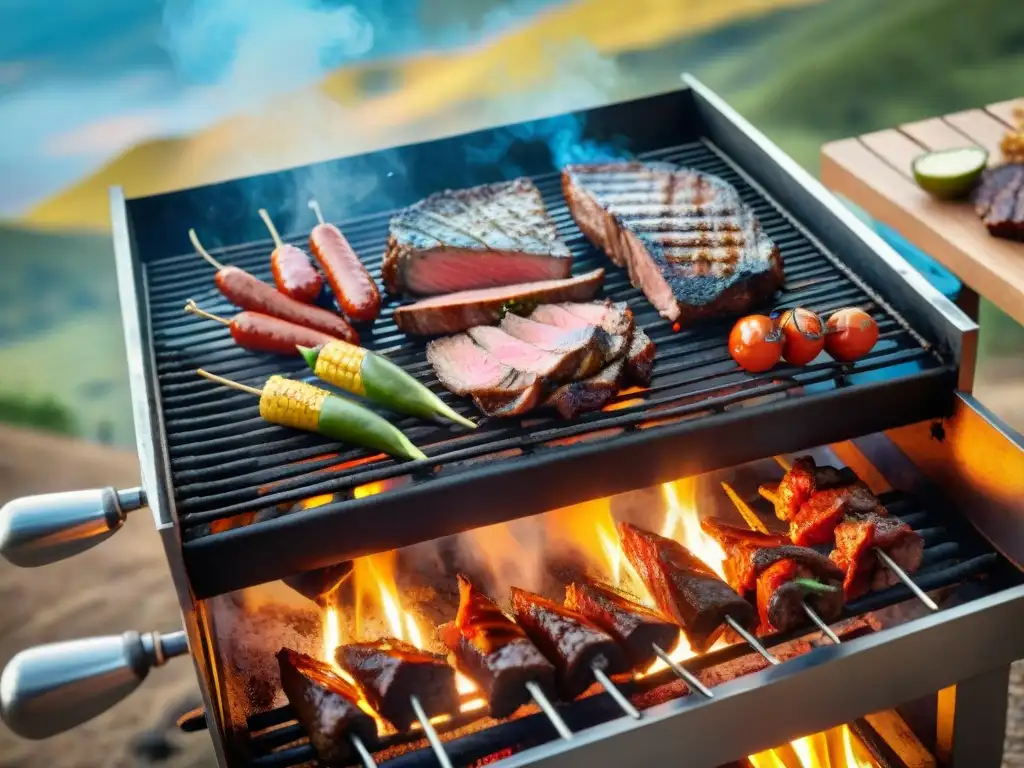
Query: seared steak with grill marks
point(463, 239)
point(458, 311)
point(999, 200)
point(689, 242)
point(613, 345)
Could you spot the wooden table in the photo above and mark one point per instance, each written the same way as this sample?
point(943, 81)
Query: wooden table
point(873, 171)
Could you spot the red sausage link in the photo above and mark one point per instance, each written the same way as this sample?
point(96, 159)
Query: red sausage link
point(294, 274)
point(263, 333)
point(353, 286)
point(249, 292)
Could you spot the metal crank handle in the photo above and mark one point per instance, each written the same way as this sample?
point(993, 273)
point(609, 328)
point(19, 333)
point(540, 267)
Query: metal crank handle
point(38, 530)
point(49, 689)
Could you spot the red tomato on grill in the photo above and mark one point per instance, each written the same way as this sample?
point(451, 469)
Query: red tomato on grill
point(755, 343)
point(803, 335)
point(850, 334)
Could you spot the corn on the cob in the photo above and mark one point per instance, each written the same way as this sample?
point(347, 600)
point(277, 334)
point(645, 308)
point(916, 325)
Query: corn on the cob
point(366, 374)
point(292, 403)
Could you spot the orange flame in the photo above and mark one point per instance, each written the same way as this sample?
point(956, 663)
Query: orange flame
point(835, 748)
point(682, 523)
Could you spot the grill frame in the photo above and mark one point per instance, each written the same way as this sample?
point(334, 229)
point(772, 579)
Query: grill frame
point(287, 545)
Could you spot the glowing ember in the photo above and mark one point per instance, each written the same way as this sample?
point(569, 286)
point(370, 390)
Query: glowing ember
point(370, 489)
point(682, 523)
point(834, 748)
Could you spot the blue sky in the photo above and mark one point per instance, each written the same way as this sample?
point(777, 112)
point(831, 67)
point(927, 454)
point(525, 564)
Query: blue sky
point(81, 81)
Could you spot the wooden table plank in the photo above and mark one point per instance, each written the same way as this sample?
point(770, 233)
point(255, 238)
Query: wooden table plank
point(935, 134)
point(896, 149)
point(979, 126)
point(1004, 111)
point(950, 232)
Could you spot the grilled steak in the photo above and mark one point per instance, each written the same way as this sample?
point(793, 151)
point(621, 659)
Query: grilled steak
point(494, 652)
point(856, 539)
point(683, 587)
point(555, 367)
point(467, 369)
point(464, 239)
point(466, 309)
point(637, 628)
point(613, 317)
point(561, 340)
point(588, 395)
point(389, 672)
point(999, 200)
point(640, 359)
point(689, 242)
point(504, 407)
point(570, 640)
point(327, 707)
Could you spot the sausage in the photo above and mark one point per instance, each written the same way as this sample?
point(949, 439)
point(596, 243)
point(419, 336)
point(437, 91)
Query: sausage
point(294, 274)
point(353, 287)
point(251, 293)
point(263, 333)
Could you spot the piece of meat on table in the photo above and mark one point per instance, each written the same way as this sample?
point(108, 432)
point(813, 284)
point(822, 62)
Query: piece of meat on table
point(389, 672)
point(637, 628)
point(494, 652)
point(688, 240)
point(482, 237)
point(327, 706)
point(999, 200)
point(818, 517)
point(856, 539)
point(554, 367)
point(465, 368)
point(457, 312)
point(683, 587)
point(571, 641)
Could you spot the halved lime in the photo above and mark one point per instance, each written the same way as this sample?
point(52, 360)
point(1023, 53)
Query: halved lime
point(949, 173)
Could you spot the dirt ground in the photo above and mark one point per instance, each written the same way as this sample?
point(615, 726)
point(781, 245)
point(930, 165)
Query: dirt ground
point(124, 584)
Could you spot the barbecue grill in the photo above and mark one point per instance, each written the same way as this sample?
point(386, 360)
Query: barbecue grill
point(231, 495)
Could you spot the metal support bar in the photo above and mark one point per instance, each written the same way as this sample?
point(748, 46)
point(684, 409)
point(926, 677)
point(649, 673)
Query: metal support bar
point(971, 721)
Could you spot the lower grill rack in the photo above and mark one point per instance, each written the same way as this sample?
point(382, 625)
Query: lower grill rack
point(952, 556)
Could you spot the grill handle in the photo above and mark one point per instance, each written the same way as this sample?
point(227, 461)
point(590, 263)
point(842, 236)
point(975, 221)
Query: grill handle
point(38, 530)
point(49, 689)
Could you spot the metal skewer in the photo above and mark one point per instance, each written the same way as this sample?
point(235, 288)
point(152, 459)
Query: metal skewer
point(615, 693)
point(364, 754)
point(681, 672)
point(752, 641)
point(432, 737)
point(549, 709)
point(820, 622)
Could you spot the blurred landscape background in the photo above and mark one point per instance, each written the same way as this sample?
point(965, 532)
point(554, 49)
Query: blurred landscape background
point(161, 94)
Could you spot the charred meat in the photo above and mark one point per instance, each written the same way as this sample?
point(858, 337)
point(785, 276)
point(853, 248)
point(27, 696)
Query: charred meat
point(687, 239)
point(327, 707)
point(683, 587)
point(999, 200)
point(800, 482)
point(818, 517)
point(456, 312)
point(588, 395)
point(858, 536)
point(637, 628)
point(389, 672)
point(483, 237)
point(494, 652)
point(571, 641)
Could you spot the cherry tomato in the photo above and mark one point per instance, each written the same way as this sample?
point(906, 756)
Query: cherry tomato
point(803, 335)
point(850, 334)
point(755, 343)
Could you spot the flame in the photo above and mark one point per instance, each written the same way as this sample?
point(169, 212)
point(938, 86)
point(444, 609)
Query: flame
point(681, 517)
point(369, 489)
point(834, 748)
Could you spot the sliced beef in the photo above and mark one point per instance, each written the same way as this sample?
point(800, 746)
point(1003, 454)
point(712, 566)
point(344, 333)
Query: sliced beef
point(614, 317)
point(570, 640)
point(637, 628)
point(683, 587)
point(688, 241)
point(458, 311)
point(504, 407)
point(465, 368)
point(859, 535)
point(553, 367)
point(640, 359)
point(588, 395)
point(390, 672)
point(999, 200)
point(614, 345)
point(327, 707)
point(464, 239)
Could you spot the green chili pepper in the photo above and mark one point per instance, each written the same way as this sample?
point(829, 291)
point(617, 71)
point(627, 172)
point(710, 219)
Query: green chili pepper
point(815, 586)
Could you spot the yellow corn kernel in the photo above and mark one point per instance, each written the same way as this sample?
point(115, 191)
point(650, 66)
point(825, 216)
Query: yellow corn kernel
point(340, 363)
point(292, 403)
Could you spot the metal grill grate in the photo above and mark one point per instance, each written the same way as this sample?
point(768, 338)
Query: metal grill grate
point(952, 555)
point(226, 463)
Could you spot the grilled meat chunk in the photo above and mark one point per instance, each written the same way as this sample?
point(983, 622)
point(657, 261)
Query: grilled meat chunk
point(494, 652)
point(555, 367)
point(464, 239)
point(800, 482)
point(856, 539)
point(456, 312)
point(589, 395)
point(327, 707)
point(689, 242)
point(504, 407)
point(683, 587)
point(571, 641)
point(637, 628)
point(999, 200)
point(818, 517)
point(465, 368)
point(389, 672)
point(613, 317)
point(640, 359)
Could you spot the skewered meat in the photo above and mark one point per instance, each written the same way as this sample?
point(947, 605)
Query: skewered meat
point(857, 537)
point(571, 641)
point(800, 482)
point(635, 626)
point(999, 200)
point(818, 517)
point(456, 312)
point(464, 239)
point(689, 242)
point(327, 707)
point(389, 672)
point(683, 587)
point(495, 652)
